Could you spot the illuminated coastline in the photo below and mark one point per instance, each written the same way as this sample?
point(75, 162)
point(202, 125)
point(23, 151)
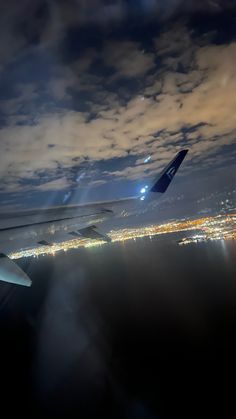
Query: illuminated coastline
point(221, 227)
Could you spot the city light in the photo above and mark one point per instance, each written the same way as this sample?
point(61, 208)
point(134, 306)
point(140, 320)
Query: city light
point(221, 227)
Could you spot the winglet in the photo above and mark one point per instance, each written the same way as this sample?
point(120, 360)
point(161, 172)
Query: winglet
point(162, 182)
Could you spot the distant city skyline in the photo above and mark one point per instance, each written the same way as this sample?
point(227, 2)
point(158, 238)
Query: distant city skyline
point(219, 227)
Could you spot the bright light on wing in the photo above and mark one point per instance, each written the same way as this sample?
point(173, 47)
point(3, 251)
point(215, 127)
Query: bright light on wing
point(143, 190)
point(147, 159)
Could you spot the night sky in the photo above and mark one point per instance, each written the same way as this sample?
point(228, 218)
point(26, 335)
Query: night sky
point(89, 89)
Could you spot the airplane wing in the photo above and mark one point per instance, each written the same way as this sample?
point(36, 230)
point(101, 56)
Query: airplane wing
point(42, 227)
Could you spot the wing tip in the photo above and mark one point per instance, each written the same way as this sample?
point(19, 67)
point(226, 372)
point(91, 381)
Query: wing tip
point(162, 183)
point(184, 151)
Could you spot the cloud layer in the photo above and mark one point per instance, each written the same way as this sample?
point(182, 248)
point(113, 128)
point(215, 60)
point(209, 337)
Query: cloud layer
point(76, 96)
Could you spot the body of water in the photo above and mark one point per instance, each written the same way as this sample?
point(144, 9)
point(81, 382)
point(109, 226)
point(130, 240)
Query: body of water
point(144, 329)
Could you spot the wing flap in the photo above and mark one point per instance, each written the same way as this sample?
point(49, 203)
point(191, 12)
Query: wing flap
point(44, 243)
point(92, 233)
